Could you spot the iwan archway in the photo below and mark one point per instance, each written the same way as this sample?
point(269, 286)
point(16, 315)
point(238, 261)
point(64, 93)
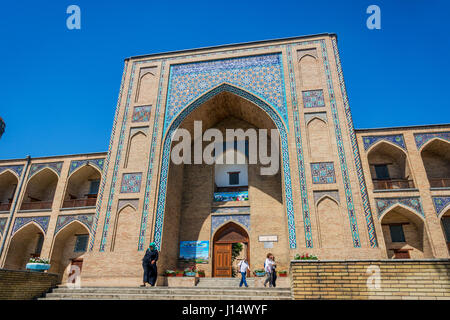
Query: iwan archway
point(223, 241)
point(186, 210)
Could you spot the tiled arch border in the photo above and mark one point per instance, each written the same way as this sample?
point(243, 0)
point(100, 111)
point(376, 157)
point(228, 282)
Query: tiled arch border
point(360, 174)
point(159, 219)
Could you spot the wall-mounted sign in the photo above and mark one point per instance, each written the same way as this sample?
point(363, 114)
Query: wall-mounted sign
point(268, 244)
point(268, 238)
point(194, 251)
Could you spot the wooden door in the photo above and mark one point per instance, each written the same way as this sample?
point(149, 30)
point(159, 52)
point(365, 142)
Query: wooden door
point(222, 260)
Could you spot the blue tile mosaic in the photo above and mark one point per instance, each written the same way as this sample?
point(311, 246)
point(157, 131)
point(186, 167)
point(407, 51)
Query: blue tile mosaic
point(75, 164)
point(440, 203)
point(56, 166)
point(220, 220)
point(356, 155)
point(423, 138)
point(16, 168)
point(384, 204)
point(323, 172)
point(22, 221)
point(64, 220)
point(131, 183)
point(260, 75)
point(141, 114)
point(313, 99)
point(395, 139)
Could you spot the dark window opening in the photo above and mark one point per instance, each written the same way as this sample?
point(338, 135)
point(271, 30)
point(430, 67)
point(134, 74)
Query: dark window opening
point(81, 242)
point(382, 171)
point(93, 188)
point(446, 223)
point(233, 178)
point(397, 234)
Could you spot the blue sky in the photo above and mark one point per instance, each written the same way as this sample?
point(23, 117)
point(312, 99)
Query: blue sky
point(59, 87)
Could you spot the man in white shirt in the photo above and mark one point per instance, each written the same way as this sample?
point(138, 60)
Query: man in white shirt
point(243, 267)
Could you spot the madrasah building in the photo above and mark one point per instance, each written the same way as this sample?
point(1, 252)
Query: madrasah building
point(340, 193)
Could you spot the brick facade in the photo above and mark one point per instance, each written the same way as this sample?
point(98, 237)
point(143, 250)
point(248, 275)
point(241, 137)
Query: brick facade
point(326, 199)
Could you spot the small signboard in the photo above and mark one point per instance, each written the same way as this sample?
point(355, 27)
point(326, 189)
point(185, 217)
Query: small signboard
point(268, 238)
point(194, 251)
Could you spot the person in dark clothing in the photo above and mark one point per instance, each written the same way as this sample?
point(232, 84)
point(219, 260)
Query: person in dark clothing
point(274, 273)
point(149, 265)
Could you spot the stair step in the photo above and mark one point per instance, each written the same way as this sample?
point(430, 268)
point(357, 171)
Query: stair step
point(91, 296)
point(169, 293)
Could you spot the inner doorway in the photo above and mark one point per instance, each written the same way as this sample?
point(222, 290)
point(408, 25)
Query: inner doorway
point(222, 248)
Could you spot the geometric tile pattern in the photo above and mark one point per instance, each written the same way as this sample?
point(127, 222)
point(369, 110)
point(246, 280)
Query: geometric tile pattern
point(131, 183)
point(21, 221)
point(395, 139)
point(75, 164)
point(300, 159)
point(106, 165)
point(313, 99)
point(359, 171)
point(64, 220)
point(17, 169)
point(261, 75)
point(323, 172)
point(422, 138)
point(218, 221)
point(340, 147)
point(56, 166)
point(141, 114)
point(383, 204)
point(151, 161)
point(166, 157)
point(440, 203)
point(2, 224)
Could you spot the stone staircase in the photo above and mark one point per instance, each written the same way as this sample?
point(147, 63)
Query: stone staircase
point(206, 289)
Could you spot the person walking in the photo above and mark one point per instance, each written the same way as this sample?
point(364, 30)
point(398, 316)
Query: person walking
point(149, 265)
point(268, 268)
point(274, 272)
point(243, 267)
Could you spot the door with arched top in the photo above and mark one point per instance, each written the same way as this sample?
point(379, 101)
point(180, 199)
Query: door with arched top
point(223, 240)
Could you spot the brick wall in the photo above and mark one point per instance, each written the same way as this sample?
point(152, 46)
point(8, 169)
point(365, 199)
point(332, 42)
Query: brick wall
point(25, 285)
point(355, 279)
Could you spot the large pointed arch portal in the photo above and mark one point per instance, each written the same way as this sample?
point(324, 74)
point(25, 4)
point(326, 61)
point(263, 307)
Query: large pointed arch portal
point(274, 116)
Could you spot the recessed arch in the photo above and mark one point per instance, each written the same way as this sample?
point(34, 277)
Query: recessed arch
point(71, 222)
point(126, 228)
point(315, 118)
point(401, 206)
point(223, 239)
point(175, 123)
point(8, 186)
point(444, 211)
point(389, 166)
point(69, 245)
point(405, 233)
point(431, 141)
point(25, 243)
point(82, 187)
point(435, 156)
point(326, 196)
point(40, 190)
point(307, 55)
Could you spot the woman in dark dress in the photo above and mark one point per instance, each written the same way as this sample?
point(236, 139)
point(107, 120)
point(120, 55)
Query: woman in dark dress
point(149, 265)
